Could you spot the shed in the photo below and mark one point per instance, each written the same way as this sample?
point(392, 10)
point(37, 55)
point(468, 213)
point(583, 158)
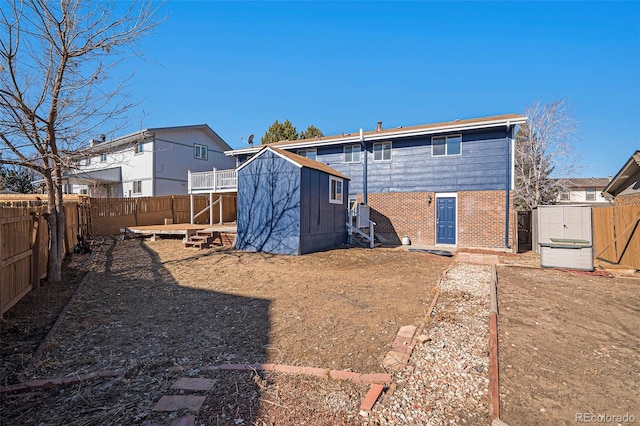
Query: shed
point(289, 204)
point(562, 234)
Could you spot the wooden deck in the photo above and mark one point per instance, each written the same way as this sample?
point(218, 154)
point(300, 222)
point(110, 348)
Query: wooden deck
point(185, 229)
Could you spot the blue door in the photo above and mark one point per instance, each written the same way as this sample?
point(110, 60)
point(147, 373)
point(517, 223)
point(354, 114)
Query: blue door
point(446, 220)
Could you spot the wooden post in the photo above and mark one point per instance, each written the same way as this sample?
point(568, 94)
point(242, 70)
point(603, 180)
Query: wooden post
point(211, 208)
point(191, 207)
point(220, 209)
point(35, 252)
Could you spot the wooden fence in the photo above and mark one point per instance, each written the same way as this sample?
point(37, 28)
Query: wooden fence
point(24, 248)
point(616, 234)
point(24, 232)
point(109, 215)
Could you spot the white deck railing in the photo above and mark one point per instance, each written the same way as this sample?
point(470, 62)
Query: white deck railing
point(213, 181)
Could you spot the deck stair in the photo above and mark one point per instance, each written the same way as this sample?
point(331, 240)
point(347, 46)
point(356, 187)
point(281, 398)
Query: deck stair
point(360, 241)
point(203, 239)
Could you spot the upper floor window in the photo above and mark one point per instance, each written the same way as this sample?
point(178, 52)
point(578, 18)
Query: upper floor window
point(88, 161)
point(591, 194)
point(565, 195)
point(335, 190)
point(352, 154)
point(382, 151)
point(309, 153)
point(103, 158)
point(446, 145)
point(137, 187)
point(200, 151)
point(139, 148)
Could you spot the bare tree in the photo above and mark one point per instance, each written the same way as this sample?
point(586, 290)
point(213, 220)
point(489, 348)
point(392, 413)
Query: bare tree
point(544, 154)
point(55, 62)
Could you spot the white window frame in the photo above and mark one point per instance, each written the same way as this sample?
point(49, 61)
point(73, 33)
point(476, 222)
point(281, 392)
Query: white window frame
point(198, 150)
point(87, 161)
point(446, 145)
point(139, 148)
point(382, 144)
point(587, 194)
point(137, 187)
point(565, 195)
point(352, 149)
point(339, 195)
point(305, 152)
point(103, 158)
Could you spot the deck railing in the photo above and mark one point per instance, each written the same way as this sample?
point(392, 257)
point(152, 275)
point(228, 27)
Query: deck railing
point(213, 181)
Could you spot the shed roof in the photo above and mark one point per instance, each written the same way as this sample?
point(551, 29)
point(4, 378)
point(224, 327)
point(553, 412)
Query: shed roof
point(629, 170)
point(424, 129)
point(297, 160)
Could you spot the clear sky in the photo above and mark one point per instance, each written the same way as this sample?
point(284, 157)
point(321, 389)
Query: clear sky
point(342, 66)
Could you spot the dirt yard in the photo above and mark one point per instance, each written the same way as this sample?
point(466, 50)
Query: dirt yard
point(160, 312)
point(569, 347)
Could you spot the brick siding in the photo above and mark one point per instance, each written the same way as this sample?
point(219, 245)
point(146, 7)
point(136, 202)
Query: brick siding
point(481, 217)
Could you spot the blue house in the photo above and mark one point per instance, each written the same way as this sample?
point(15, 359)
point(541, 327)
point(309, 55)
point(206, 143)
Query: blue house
point(444, 183)
point(290, 204)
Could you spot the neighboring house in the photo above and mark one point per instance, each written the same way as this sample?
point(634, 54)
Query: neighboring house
point(443, 183)
point(289, 204)
point(583, 191)
point(624, 188)
point(150, 162)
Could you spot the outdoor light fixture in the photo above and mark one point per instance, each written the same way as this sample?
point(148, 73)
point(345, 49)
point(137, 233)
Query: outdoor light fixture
point(429, 198)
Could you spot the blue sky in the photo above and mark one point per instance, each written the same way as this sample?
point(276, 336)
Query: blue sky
point(342, 66)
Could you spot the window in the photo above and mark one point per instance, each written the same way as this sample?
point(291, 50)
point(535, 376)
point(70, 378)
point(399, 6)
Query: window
point(137, 187)
point(335, 190)
point(88, 161)
point(199, 151)
point(565, 195)
point(591, 194)
point(139, 149)
point(382, 151)
point(352, 154)
point(309, 153)
point(103, 158)
point(352, 203)
point(446, 145)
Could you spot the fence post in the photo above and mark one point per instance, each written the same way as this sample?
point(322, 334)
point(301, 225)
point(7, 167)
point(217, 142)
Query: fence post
point(35, 252)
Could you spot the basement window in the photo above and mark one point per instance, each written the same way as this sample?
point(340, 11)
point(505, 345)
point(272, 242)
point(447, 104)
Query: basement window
point(335, 190)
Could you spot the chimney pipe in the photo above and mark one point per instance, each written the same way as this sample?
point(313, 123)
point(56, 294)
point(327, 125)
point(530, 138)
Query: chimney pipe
point(379, 126)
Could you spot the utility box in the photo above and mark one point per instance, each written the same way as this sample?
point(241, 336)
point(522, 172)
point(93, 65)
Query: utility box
point(563, 236)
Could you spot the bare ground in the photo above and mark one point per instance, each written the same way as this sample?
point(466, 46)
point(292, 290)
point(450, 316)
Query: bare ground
point(569, 345)
point(149, 307)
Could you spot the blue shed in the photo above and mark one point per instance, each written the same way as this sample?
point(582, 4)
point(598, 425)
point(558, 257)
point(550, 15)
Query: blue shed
point(289, 204)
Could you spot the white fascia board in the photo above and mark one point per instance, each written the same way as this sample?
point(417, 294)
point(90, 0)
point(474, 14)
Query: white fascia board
point(388, 135)
point(267, 148)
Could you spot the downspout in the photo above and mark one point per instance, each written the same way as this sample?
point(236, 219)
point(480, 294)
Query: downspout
point(364, 170)
point(510, 164)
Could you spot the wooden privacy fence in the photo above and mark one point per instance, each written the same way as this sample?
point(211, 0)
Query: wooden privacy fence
point(107, 216)
point(24, 249)
point(616, 234)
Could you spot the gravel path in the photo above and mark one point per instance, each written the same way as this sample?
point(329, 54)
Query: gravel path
point(446, 380)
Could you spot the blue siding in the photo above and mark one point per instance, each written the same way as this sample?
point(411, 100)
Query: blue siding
point(269, 206)
point(322, 224)
point(286, 210)
point(483, 165)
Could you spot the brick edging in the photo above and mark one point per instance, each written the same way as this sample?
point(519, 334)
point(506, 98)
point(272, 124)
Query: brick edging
point(59, 381)
point(494, 395)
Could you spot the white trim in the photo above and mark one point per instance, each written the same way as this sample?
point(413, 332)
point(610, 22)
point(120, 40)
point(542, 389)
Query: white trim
point(356, 138)
point(266, 148)
point(200, 146)
point(335, 200)
point(446, 137)
point(435, 222)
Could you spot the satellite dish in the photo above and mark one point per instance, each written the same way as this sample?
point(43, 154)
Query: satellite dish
point(250, 139)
